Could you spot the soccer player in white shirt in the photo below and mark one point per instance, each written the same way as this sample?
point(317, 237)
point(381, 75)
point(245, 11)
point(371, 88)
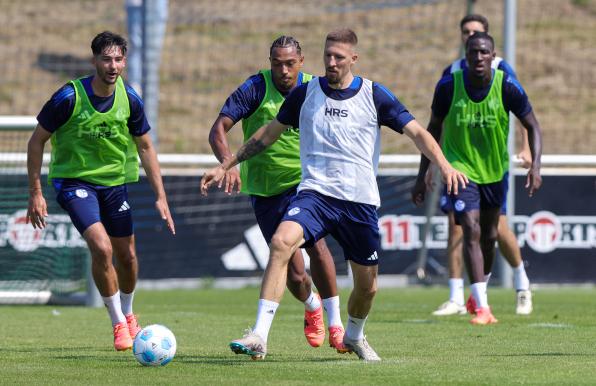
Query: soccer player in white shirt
point(339, 117)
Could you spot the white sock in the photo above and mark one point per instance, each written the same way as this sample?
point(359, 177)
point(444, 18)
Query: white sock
point(355, 328)
point(126, 302)
point(114, 309)
point(456, 291)
point(265, 314)
point(331, 306)
point(487, 277)
point(479, 294)
point(312, 302)
point(520, 278)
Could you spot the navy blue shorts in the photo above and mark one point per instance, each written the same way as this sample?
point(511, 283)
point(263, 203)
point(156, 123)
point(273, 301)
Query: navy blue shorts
point(353, 225)
point(446, 204)
point(270, 210)
point(479, 196)
point(87, 204)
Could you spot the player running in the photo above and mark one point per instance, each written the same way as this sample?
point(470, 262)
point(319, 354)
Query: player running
point(271, 179)
point(473, 106)
point(97, 127)
point(508, 245)
point(339, 117)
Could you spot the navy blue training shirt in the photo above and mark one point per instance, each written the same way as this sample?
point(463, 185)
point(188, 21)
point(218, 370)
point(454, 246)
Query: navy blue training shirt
point(514, 96)
point(247, 98)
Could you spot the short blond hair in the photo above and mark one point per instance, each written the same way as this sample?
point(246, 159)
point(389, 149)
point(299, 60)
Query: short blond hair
point(342, 35)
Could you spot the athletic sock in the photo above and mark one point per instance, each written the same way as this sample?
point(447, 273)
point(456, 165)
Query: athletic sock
point(265, 314)
point(479, 293)
point(312, 302)
point(114, 309)
point(520, 278)
point(331, 306)
point(355, 328)
point(126, 302)
point(456, 291)
point(487, 277)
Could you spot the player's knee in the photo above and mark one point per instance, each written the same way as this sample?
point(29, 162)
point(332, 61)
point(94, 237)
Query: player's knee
point(101, 261)
point(319, 251)
point(472, 230)
point(101, 250)
point(128, 260)
point(369, 293)
point(366, 290)
point(280, 246)
point(297, 278)
point(489, 237)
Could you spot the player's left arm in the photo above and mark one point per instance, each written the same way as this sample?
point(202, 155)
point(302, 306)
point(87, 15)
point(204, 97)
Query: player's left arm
point(516, 101)
point(525, 154)
point(425, 142)
point(148, 157)
point(534, 179)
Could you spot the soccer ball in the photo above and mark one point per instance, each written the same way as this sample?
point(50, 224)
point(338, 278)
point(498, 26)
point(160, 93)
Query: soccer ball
point(154, 345)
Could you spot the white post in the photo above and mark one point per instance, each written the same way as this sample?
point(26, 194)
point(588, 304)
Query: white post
point(509, 30)
point(155, 14)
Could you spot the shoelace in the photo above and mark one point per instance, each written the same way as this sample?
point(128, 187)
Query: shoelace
point(367, 347)
point(132, 320)
point(316, 319)
point(118, 327)
point(247, 332)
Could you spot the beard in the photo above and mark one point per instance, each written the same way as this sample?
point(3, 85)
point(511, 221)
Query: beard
point(332, 77)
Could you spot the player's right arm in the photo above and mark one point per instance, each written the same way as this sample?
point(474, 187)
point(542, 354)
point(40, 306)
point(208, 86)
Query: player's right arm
point(241, 104)
point(259, 141)
point(53, 114)
point(288, 116)
point(440, 107)
point(221, 149)
point(435, 126)
point(37, 209)
point(430, 148)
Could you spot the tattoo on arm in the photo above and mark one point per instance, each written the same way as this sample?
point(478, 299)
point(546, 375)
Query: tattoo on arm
point(251, 148)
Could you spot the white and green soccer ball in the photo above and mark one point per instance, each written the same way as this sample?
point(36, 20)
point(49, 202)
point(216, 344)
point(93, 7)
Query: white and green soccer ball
point(154, 345)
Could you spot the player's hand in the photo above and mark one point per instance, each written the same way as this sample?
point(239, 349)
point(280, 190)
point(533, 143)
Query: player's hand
point(534, 180)
point(418, 192)
point(164, 211)
point(37, 210)
point(232, 179)
point(212, 176)
point(453, 180)
point(525, 157)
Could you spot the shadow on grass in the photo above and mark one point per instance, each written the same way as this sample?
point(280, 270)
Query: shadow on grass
point(541, 354)
point(244, 359)
point(49, 349)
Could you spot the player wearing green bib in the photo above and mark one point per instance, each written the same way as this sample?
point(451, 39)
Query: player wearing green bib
point(98, 128)
point(471, 109)
point(506, 239)
point(271, 179)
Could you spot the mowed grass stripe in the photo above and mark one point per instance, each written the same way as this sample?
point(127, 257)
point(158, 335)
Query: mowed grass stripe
point(72, 345)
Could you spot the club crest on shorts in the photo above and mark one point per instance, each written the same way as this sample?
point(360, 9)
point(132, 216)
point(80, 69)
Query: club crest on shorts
point(294, 211)
point(81, 193)
point(460, 205)
point(443, 201)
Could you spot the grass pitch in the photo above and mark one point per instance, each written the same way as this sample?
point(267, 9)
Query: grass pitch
point(73, 345)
